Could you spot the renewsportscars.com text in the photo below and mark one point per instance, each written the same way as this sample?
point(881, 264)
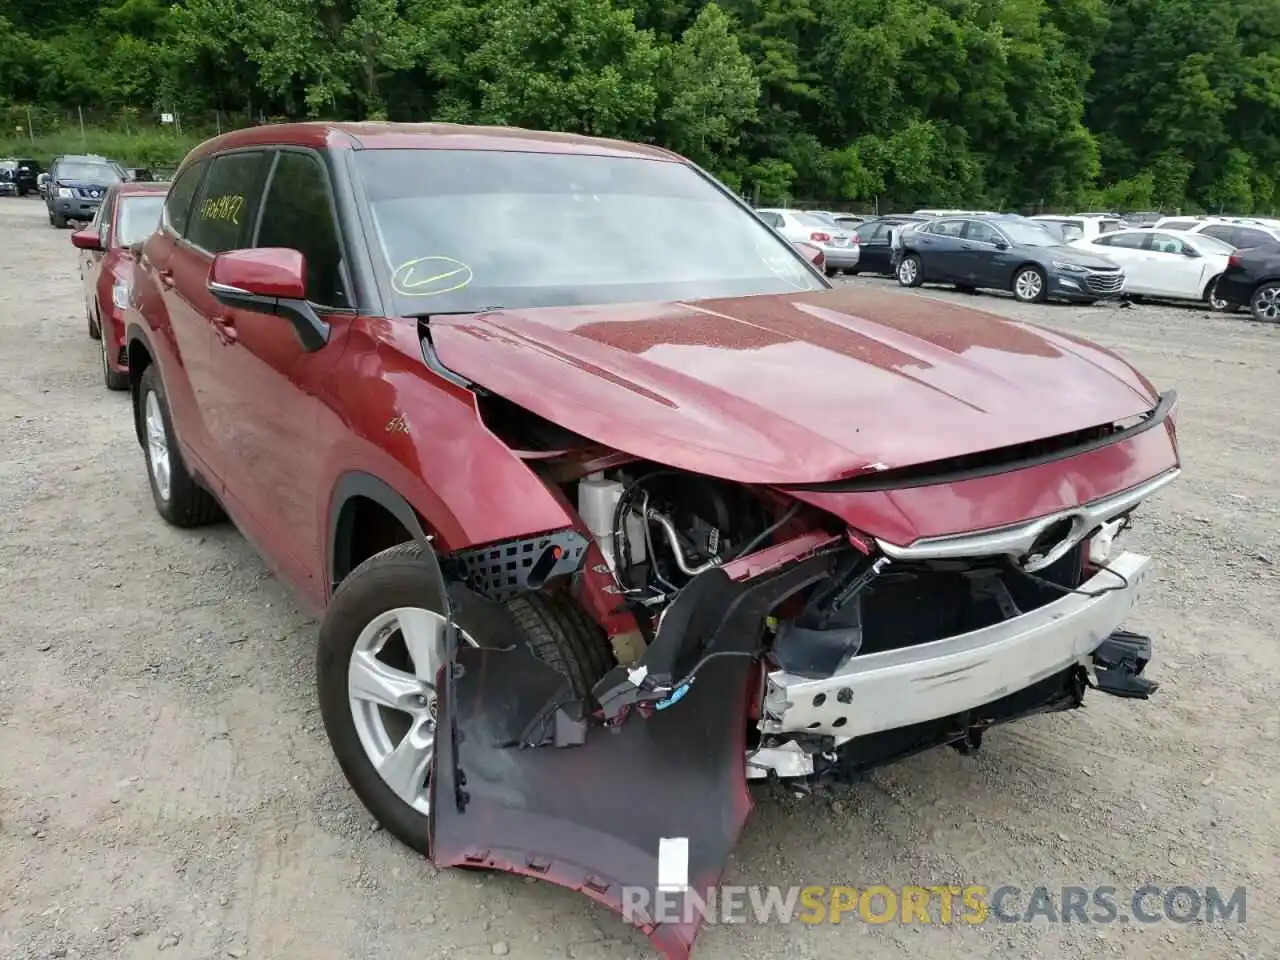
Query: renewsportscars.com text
point(937, 904)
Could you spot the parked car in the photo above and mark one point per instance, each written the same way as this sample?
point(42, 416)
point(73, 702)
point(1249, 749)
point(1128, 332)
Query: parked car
point(77, 186)
point(19, 176)
point(839, 246)
point(876, 242)
point(1251, 279)
point(934, 214)
point(139, 175)
point(108, 255)
point(1236, 233)
point(467, 388)
point(848, 220)
point(1165, 263)
point(1081, 227)
point(1005, 253)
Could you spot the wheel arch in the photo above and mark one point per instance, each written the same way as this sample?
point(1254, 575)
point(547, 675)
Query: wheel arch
point(141, 356)
point(353, 491)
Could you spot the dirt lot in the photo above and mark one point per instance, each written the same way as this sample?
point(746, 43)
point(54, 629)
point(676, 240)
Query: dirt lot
point(165, 784)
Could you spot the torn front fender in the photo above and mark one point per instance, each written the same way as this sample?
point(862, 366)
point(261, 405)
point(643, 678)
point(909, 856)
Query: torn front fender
point(590, 805)
point(592, 817)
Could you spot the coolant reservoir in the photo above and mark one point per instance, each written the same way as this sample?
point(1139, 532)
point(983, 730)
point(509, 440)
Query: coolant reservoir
point(597, 500)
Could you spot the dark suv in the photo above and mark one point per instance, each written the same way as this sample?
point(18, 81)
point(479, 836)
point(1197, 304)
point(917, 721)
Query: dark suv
point(19, 176)
point(77, 185)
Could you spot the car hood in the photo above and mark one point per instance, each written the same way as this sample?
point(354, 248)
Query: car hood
point(792, 389)
point(1083, 258)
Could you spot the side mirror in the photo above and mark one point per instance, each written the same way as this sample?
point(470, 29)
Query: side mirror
point(269, 280)
point(43, 179)
point(1189, 252)
point(86, 240)
point(1001, 245)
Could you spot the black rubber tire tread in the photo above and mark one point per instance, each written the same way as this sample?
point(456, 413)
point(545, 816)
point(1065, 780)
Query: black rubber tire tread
point(563, 636)
point(189, 504)
point(58, 221)
point(95, 333)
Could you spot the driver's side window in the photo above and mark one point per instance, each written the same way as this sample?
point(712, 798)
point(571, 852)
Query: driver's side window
point(981, 232)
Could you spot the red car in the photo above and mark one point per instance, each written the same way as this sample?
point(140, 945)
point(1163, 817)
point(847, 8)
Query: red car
point(129, 212)
point(609, 503)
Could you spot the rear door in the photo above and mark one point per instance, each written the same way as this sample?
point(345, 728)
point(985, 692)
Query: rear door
point(873, 239)
point(942, 251)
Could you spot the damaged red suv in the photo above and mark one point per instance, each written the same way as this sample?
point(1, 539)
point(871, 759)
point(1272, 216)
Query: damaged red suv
point(610, 503)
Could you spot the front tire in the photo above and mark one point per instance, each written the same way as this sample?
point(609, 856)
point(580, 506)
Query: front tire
point(178, 498)
point(381, 649)
point(112, 379)
point(909, 273)
point(1265, 303)
point(1217, 304)
point(57, 220)
point(1030, 286)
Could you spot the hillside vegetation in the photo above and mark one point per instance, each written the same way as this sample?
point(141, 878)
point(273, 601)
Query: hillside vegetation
point(1009, 103)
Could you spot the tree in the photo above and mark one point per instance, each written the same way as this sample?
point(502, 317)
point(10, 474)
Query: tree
point(709, 89)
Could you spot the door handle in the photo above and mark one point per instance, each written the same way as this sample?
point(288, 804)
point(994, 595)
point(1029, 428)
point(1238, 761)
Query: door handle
point(224, 327)
point(166, 277)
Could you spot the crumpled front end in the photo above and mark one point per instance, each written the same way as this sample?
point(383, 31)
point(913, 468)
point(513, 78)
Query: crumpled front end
point(759, 637)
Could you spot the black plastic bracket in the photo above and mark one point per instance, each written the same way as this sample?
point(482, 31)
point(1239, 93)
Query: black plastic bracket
point(1119, 662)
point(502, 570)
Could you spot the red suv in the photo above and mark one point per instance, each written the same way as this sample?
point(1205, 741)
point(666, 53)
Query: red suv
point(609, 502)
point(108, 251)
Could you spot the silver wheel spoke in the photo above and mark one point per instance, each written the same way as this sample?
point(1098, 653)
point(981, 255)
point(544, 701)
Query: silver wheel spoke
point(423, 634)
point(405, 768)
point(371, 680)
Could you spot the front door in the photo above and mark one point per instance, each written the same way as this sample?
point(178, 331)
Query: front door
point(266, 401)
point(986, 265)
point(942, 253)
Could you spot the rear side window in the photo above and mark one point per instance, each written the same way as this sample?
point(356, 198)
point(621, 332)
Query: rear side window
point(1130, 241)
point(297, 213)
point(1252, 238)
point(222, 216)
point(948, 228)
point(1178, 225)
point(1223, 233)
point(177, 207)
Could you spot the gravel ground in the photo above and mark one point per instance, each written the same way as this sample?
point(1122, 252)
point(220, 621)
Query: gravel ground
point(165, 784)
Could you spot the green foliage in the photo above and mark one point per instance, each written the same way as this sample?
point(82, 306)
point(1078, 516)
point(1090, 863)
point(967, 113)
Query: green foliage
point(1011, 103)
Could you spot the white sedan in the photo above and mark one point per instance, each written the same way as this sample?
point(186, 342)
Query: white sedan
point(1160, 263)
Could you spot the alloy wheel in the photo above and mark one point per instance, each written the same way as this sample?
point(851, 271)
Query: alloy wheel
point(1028, 285)
point(391, 686)
point(1266, 304)
point(157, 442)
point(907, 271)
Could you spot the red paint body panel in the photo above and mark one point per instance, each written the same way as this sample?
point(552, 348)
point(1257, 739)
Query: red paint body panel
point(792, 389)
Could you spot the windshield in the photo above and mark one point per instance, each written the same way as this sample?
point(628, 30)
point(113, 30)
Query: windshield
point(93, 172)
point(1027, 233)
point(138, 219)
point(465, 230)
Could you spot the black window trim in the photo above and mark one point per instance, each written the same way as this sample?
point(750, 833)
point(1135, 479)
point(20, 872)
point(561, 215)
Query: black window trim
point(203, 163)
point(344, 248)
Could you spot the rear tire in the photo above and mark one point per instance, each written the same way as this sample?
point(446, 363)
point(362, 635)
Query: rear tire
point(1217, 304)
point(1265, 303)
point(178, 498)
point(385, 586)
